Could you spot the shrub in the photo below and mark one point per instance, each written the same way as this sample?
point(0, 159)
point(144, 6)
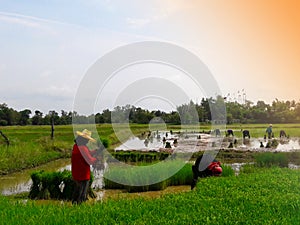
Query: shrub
point(105, 142)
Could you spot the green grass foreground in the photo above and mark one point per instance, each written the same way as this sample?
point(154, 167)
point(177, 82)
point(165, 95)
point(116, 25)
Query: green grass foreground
point(256, 196)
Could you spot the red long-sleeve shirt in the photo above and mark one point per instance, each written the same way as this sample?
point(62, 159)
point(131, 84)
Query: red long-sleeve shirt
point(80, 163)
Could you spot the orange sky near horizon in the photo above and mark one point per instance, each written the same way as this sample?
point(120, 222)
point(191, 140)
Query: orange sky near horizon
point(256, 42)
point(274, 27)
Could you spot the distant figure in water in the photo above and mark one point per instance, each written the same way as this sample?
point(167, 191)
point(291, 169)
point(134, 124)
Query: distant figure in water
point(168, 145)
point(217, 132)
point(282, 134)
point(261, 145)
point(213, 169)
point(246, 133)
point(175, 142)
point(146, 142)
point(269, 131)
point(229, 133)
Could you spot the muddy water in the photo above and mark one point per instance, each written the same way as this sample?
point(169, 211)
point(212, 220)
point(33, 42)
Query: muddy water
point(193, 142)
point(20, 182)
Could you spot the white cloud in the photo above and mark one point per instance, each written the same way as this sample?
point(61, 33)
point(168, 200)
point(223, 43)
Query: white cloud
point(137, 23)
point(63, 91)
point(30, 20)
point(20, 21)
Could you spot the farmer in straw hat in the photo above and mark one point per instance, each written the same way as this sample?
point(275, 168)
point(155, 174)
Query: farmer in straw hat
point(81, 160)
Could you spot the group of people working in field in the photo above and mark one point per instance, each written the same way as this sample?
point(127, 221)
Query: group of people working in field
point(82, 158)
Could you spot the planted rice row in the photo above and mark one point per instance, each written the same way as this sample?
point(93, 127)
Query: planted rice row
point(263, 196)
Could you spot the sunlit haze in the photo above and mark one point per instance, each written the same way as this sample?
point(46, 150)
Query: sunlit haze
point(251, 47)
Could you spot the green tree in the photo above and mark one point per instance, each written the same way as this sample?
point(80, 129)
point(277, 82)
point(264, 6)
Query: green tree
point(24, 117)
point(37, 119)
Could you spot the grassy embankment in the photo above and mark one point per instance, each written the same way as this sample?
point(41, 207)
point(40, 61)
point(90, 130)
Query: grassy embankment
point(31, 146)
point(256, 196)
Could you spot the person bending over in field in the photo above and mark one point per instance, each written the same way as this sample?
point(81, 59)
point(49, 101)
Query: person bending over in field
point(81, 160)
point(213, 169)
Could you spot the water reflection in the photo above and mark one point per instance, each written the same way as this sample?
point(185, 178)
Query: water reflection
point(21, 182)
point(195, 141)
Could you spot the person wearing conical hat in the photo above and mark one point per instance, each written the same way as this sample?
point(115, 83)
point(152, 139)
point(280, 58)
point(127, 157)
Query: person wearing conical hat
point(81, 160)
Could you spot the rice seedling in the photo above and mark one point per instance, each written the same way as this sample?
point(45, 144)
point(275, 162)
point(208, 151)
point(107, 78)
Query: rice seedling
point(54, 185)
point(268, 159)
point(265, 196)
point(144, 176)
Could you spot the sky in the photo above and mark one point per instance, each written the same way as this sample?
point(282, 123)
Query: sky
point(250, 47)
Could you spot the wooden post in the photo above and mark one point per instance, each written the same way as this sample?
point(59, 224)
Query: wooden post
point(6, 139)
point(52, 125)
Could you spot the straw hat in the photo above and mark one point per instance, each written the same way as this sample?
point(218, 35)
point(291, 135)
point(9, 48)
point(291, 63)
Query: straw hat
point(86, 134)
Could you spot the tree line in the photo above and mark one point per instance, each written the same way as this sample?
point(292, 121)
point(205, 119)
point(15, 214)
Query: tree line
point(261, 112)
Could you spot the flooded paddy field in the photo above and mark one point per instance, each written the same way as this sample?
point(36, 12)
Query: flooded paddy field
point(238, 154)
point(194, 142)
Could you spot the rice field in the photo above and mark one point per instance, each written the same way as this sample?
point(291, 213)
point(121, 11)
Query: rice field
point(259, 195)
point(31, 146)
point(256, 196)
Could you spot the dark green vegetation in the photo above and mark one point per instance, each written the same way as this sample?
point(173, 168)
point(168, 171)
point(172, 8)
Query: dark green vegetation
point(135, 175)
point(137, 156)
point(46, 185)
point(277, 112)
point(256, 196)
point(281, 159)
